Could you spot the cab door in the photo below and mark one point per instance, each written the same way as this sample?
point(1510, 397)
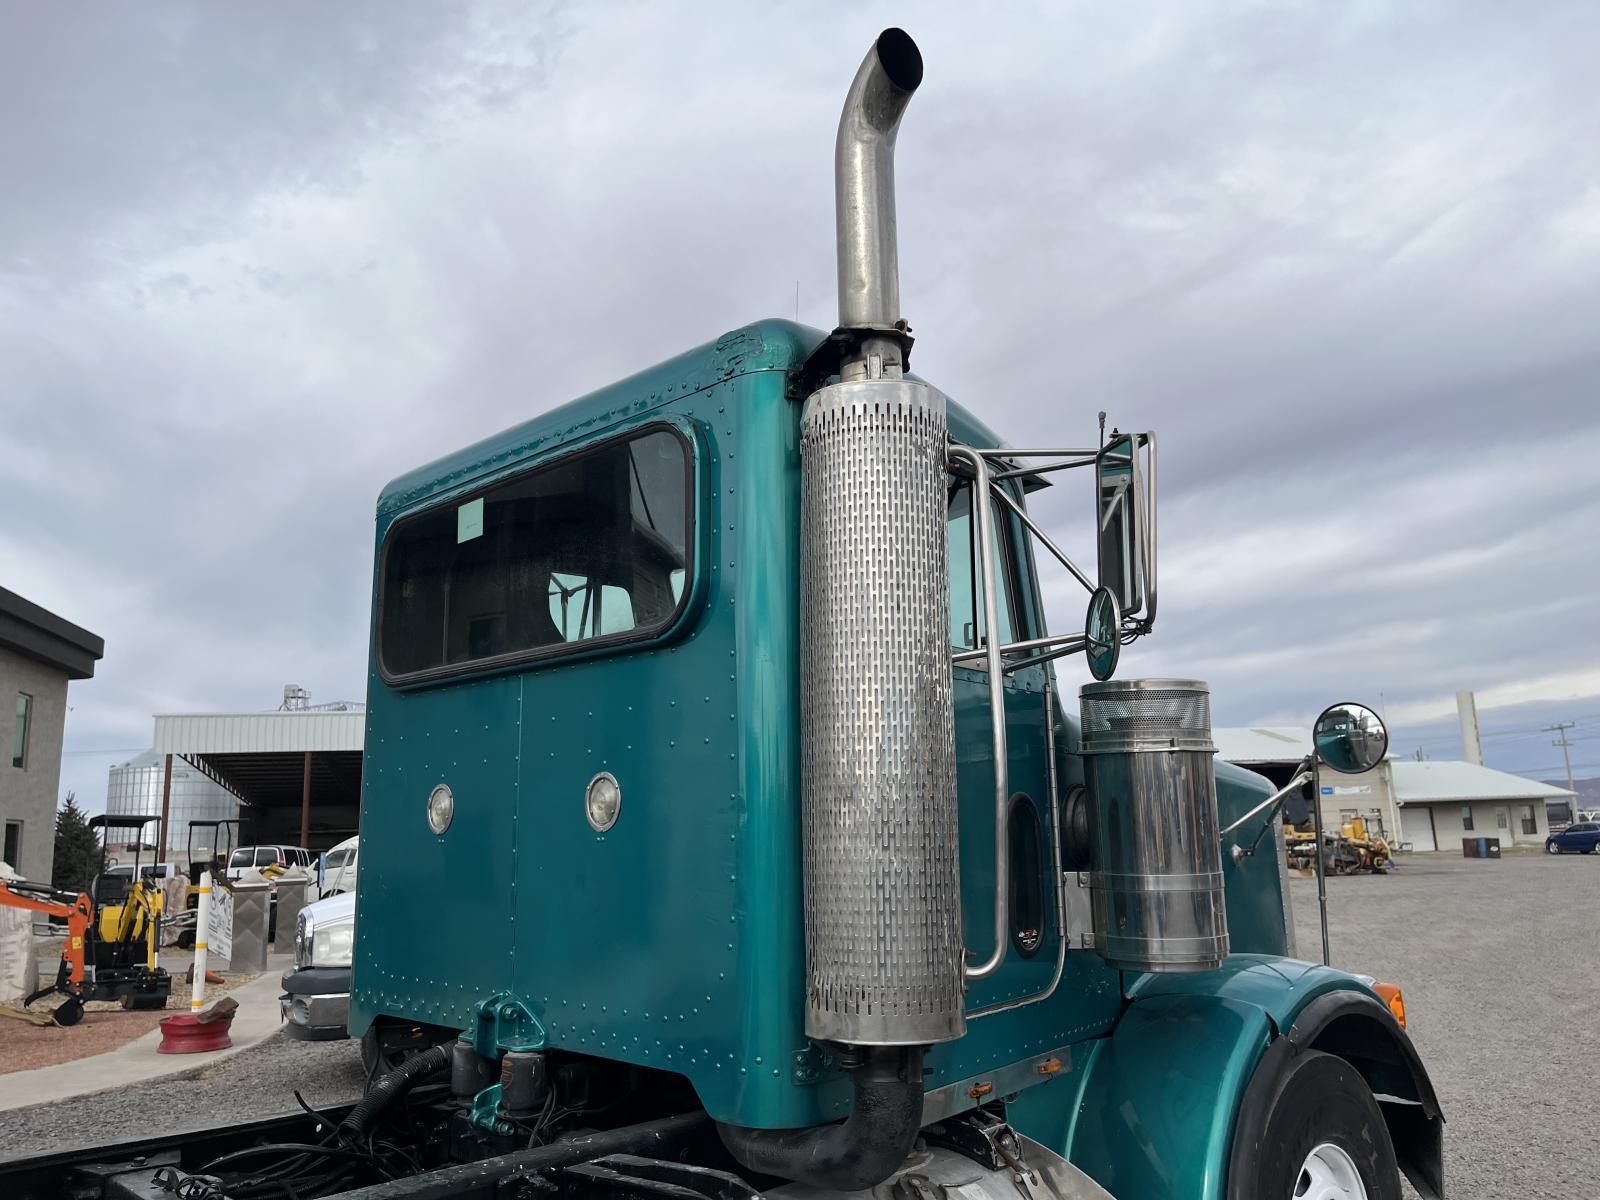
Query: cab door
point(1031, 916)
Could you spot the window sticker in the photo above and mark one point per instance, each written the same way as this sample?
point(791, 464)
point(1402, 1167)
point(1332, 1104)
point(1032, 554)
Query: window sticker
point(469, 521)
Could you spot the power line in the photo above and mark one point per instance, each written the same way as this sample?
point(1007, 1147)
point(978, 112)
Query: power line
point(1540, 772)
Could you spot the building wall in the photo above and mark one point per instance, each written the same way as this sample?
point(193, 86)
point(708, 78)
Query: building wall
point(1450, 829)
point(28, 794)
point(1363, 793)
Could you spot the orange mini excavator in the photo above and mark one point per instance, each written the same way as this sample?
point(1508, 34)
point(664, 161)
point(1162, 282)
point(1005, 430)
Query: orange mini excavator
point(112, 935)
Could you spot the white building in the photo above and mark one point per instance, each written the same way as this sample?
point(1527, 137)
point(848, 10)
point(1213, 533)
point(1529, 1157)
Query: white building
point(1442, 803)
point(294, 773)
point(1419, 805)
point(1276, 752)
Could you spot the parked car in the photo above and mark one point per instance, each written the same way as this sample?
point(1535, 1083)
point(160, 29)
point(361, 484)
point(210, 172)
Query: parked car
point(339, 867)
point(1581, 837)
point(315, 1004)
point(154, 870)
point(259, 858)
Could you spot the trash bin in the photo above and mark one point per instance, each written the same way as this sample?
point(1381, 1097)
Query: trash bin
point(1480, 847)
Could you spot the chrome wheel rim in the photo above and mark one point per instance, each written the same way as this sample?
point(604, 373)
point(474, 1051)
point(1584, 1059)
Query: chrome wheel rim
point(1329, 1173)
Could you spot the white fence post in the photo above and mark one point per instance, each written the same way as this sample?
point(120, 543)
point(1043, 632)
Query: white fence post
point(197, 994)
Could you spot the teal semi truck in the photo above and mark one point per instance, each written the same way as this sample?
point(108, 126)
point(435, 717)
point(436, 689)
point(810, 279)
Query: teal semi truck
point(725, 831)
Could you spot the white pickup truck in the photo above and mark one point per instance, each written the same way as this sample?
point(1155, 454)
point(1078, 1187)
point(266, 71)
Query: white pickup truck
point(315, 1004)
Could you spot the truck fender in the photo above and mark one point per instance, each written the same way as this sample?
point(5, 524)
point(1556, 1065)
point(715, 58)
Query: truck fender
point(1152, 1113)
point(1357, 1027)
point(1155, 1106)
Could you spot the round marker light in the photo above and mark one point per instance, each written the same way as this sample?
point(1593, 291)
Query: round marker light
point(441, 808)
point(602, 802)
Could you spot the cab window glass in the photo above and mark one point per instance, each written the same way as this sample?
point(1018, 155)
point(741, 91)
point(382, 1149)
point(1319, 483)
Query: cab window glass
point(966, 600)
point(589, 548)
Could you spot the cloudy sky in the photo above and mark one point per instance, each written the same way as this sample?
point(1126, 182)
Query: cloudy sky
point(256, 260)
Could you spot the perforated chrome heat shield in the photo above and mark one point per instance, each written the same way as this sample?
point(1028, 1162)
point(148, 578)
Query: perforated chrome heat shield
point(883, 926)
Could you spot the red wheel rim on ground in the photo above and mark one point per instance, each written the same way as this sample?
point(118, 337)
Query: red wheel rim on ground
point(185, 1035)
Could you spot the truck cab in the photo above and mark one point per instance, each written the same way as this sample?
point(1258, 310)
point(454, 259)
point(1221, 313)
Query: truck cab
point(717, 737)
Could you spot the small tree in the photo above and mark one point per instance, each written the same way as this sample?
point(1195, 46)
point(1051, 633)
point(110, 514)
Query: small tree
point(77, 849)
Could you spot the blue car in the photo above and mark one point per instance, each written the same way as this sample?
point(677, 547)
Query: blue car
point(1582, 836)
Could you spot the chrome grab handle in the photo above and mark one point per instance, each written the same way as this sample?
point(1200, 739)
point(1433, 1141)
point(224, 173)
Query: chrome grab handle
point(994, 664)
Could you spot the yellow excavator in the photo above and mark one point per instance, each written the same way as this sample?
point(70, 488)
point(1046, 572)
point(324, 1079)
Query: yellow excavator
point(113, 932)
point(1353, 850)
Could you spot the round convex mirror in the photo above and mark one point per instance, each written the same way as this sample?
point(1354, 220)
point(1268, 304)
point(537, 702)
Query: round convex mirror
point(1350, 738)
point(1102, 629)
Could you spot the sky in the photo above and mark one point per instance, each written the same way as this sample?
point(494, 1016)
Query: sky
point(1345, 260)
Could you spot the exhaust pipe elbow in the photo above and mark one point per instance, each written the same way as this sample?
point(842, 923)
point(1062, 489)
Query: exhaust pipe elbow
point(863, 1151)
point(863, 161)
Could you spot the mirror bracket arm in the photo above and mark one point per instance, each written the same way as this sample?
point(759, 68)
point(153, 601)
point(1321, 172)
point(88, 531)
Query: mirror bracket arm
point(1270, 805)
point(1044, 538)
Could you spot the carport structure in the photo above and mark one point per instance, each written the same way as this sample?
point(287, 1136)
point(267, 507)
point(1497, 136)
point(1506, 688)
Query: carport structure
point(297, 773)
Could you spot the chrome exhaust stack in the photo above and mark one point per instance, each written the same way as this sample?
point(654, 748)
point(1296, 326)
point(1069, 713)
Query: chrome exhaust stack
point(884, 976)
point(883, 939)
point(864, 208)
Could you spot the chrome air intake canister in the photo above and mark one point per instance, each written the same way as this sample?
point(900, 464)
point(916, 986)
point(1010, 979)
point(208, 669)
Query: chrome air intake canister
point(1157, 860)
point(882, 891)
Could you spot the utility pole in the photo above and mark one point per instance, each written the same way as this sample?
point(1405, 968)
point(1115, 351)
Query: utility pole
point(1561, 727)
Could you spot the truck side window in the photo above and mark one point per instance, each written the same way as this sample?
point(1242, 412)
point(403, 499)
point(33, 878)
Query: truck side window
point(592, 547)
point(966, 607)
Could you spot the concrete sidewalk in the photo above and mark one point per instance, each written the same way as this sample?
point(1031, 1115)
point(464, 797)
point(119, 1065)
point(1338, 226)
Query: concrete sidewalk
point(137, 1062)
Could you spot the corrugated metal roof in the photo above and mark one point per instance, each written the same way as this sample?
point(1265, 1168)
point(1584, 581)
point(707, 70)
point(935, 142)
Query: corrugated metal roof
point(1433, 782)
point(1262, 745)
point(259, 733)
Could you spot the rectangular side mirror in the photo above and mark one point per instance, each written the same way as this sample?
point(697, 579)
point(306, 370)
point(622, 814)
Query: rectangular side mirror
point(1125, 521)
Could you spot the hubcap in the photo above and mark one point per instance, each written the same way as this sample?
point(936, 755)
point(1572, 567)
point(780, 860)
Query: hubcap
point(1329, 1174)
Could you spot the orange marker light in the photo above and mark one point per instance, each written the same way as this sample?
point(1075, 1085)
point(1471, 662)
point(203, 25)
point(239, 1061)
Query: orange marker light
point(1391, 995)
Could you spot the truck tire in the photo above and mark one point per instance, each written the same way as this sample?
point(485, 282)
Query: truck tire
point(1309, 1127)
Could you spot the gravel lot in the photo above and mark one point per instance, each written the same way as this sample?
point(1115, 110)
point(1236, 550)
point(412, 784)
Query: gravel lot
point(1496, 959)
point(1502, 985)
point(255, 1083)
